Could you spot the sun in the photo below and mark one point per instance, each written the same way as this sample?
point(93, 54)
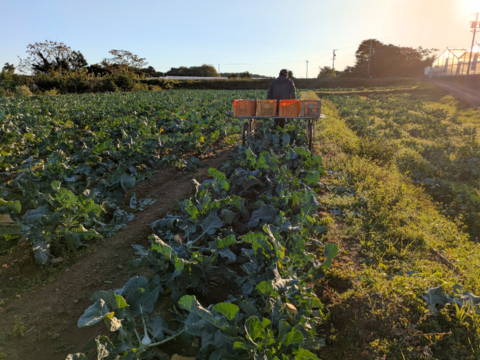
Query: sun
point(472, 6)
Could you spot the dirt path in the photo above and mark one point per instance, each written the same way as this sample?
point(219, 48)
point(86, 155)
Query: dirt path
point(466, 93)
point(50, 314)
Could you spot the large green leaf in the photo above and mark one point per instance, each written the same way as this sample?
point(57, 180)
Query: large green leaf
point(219, 178)
point(10, 230)
point(258, 241)
point(294, 338)
point(41, 252)
point(94, 314)
point(331, 250)
point(161, 247)
point(435, 296)
point(211, 224)
point(105, 349)
point(227, 309)
point(156, 326)
point(190, 303)
point(111, 299)
point(254, 329)
point(226, 241)
point(302, 354)
point(10, 207)
point(266, 214)
point(35, 215)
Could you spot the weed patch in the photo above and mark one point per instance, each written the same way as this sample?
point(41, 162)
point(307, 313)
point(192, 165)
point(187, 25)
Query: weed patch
point(395, 241)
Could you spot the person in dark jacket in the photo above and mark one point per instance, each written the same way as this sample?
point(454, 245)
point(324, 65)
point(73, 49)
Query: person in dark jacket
point(282, 88)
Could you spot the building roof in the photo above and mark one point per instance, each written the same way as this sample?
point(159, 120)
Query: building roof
point(461, 51)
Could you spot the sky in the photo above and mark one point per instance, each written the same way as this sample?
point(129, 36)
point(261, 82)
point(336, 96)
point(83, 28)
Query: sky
point(259, 36)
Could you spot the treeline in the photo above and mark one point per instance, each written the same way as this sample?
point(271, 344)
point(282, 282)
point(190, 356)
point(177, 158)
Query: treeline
point(378, 60)
point(81, 83)
point(55, 68)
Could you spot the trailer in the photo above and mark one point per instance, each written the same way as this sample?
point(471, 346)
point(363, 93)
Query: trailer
point(248, 128)
point(251, 111)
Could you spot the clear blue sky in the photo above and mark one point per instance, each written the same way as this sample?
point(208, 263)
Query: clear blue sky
point(262, 36)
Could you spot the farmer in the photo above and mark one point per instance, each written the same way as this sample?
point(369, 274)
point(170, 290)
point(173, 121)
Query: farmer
point(282, 88)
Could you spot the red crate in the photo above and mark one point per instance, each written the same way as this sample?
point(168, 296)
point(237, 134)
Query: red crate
point(243, 107)
point(290, 108)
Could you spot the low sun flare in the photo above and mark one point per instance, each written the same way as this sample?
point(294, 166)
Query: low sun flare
point(472, 5)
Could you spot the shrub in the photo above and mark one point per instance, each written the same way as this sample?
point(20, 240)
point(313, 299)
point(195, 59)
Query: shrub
point(51, 92)
point(125, 83)
point(7, 80)
point(5, 92)
point(140, 87)
point(72, 82)
point(22, 91)
point(105, 84)
point(154, 87)
point(245, 75)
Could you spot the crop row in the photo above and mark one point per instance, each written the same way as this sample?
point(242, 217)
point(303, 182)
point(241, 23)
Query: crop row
point(251, 225)
point(66, 161)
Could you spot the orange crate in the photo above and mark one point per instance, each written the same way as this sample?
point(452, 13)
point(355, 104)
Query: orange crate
point(290, 108)
point(243, 107)
point(311, 108)
point(266, 108)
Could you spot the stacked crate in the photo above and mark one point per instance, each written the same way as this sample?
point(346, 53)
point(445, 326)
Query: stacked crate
point(244, 107)
point(266, 108)
point(290, 108)
point(311, 108)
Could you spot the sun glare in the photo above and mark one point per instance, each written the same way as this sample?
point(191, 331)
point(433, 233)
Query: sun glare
point(472, 6)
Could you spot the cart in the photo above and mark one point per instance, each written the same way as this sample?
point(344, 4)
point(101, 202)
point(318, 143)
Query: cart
point(248, 128)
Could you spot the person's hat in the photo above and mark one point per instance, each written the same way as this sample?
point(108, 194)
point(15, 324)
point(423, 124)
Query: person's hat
point(283, 72)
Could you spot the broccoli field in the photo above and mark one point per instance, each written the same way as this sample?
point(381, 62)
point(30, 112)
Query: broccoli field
point(136, 226)
point(66, 161)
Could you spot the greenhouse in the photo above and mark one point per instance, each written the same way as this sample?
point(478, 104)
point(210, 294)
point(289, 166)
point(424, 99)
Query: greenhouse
point(454, 62)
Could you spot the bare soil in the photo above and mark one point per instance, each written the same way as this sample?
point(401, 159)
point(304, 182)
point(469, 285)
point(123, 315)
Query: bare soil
point(50, 312)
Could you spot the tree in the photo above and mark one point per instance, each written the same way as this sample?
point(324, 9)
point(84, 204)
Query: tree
point(51, 56)
point(8, 68)
point(388, 60)
point(245, 75)
point(363, 51)
point(232, 76)
point(98, 70)
point(327, 72)
point(150, 71)
point(77, 61)
point(202, 71)
point(125, 59)
point(290, 74)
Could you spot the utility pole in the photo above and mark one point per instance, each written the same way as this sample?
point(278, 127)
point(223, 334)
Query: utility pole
point(370, 57)
point(474, 27)
point(334, 55)
point(307, 70)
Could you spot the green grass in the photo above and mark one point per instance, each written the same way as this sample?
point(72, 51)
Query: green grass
point(435, 142)
point(390, 232)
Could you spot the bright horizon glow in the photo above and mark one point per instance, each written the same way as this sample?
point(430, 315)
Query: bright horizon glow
point(259, 36)
point(472, 6)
